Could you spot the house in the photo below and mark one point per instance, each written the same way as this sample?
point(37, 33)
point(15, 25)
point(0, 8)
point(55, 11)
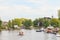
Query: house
point(47, 18)
point(4, 24)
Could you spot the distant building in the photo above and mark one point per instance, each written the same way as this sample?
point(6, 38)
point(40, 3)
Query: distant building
point(4, 24)
point(15, 26)
point(47, 18)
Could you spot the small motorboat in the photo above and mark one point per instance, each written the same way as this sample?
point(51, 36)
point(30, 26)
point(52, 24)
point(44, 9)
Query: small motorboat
point(21, 32)
point(40, 30)
point(49, 29)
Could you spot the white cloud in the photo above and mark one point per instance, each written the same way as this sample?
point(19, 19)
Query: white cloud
point(2, 0)
point(11, 11)
point(36, 1)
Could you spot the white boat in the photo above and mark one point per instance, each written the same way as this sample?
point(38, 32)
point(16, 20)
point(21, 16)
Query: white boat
point(49, 29)
point(22, 32)
point(40, 30)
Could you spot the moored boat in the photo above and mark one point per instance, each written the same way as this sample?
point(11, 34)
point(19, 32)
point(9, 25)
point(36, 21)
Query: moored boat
point(50, 29)
point(40, 30)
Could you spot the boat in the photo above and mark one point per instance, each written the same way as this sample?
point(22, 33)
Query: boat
point(40, 30)
point(49, 29)
point(21, 32)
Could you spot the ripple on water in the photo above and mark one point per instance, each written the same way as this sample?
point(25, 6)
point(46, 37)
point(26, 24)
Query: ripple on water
point(29, 35)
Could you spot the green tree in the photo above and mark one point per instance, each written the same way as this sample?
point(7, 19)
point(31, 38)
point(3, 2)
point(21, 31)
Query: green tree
point(54, 22)
point(9, 24)
point(0, 24)
point(46, 23)
point(27, 23)
point(59, 14)
point(35, 23)
point(38, 22)
point(13, 24)
point(17, 21)
point(41, 22)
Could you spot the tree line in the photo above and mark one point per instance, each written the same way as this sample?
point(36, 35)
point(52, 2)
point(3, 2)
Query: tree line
point(38, 22)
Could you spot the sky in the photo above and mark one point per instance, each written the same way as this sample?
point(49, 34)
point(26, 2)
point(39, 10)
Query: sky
point(10, 9)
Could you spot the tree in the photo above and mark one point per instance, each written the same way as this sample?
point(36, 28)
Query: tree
point(13, 24)
point(59, 14)
point(35, 23)
point(41, 22)
point(27, 23)
point(38, 22)
point(17, 22)
point(0, 24)
point(46, 23)
point(54, 22)
point(9, 24)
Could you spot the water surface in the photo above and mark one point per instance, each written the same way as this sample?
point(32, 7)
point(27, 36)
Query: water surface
point(29, 35)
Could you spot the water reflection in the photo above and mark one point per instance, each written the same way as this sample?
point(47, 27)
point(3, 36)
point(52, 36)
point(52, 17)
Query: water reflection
point(29, 35)
point(51, 37)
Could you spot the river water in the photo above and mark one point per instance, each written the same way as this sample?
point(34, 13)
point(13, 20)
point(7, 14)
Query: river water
point(29, 35)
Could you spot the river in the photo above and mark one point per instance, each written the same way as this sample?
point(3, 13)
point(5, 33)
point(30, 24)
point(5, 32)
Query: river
point(29, 35)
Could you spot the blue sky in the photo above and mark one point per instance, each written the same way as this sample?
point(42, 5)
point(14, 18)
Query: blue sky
point(10, 9)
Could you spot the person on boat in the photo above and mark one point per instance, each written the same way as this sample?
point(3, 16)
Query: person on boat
point(49, 29)
point(22, 31)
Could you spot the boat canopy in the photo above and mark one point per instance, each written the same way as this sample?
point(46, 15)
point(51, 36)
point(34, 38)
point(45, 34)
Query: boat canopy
point(50, 27)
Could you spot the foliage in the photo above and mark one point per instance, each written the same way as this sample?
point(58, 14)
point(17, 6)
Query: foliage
point(35, 23)
point(0, 24)
point(46, 23)
point(27, 23)
point(18, 21)
point(59, 14)
point(9, 24)
point(54, 22)
point(41, 22)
